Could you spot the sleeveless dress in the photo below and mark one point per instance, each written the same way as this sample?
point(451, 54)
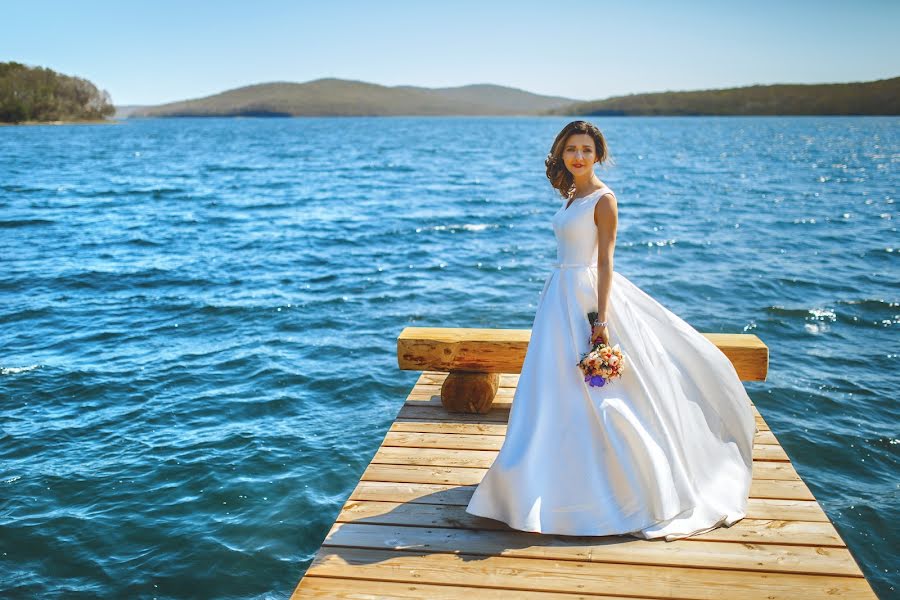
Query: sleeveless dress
point(664, 451)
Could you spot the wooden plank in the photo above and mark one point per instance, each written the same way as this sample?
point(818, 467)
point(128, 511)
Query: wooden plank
point(472, 476)
point(437, 493)
point(501, 404)
point(529, 574)
point(749, 529)
point(616, 549)
point(436, 378)
point(425, 426)
point(500, 416)
point(407, 491)
point(503, 350)
point(786, 490)
point(473, 349)
point(425, 412)
point(770, 503)
point(312, 586)
point(463, 457)
point(430, 395)
point(451, 445)
point(474, 441)
point(462, 468)
point(762, 469)
point(759, 488)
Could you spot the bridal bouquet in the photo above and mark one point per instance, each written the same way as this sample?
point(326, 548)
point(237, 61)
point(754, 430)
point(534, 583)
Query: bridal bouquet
point(601, 363)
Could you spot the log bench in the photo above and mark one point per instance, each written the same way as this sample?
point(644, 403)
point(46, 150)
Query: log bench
point(474, 359)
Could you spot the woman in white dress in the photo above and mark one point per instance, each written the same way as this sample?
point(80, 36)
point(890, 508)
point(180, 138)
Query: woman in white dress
point(662, 452)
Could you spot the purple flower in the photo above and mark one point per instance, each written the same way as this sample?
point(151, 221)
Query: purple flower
point(598, 380)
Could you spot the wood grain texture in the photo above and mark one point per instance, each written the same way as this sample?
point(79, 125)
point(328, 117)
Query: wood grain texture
point(503, 350)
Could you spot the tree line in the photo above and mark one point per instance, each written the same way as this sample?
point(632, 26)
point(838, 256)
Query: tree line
point(40, 94)
point(881, 97)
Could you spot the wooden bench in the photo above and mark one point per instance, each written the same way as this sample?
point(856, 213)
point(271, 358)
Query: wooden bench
point(475, 358)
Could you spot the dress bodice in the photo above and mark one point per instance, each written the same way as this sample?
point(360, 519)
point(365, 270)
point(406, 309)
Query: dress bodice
point(575, 231)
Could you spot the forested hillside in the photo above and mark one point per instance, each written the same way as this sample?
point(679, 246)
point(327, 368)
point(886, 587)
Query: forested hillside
point(36, 94)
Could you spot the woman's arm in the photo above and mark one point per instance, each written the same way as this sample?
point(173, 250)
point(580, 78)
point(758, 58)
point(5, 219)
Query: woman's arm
point(606, 218)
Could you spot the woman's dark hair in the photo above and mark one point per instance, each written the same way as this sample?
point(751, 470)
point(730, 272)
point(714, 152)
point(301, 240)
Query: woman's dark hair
point(557, 173)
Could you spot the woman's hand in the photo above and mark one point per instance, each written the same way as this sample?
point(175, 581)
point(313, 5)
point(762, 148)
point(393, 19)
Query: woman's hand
point(599, 334)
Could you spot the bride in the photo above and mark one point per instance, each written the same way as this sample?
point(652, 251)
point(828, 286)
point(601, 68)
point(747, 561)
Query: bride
point(664, 451)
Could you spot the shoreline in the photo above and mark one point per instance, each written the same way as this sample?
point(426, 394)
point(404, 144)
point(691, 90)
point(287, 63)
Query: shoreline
point(79, 122)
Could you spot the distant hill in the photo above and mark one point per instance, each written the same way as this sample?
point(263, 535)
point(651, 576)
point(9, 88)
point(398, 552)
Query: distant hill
point(37, 95)
point(339, 97)
point(881, 97)
point(123, 111)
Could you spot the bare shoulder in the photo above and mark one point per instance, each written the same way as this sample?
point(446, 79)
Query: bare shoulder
point(606, 210)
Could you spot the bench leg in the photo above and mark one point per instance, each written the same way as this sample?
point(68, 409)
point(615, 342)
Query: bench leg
point(469, 391)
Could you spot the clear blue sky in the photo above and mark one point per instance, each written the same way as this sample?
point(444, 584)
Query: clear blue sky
point(160, 51)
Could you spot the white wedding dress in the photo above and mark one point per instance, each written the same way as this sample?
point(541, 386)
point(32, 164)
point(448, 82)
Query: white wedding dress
point(664, 451)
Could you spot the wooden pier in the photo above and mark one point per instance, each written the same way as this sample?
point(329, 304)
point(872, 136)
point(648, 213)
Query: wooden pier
point(404, 533)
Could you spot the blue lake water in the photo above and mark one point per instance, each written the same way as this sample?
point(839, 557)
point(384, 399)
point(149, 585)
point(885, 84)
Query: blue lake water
point(198, 317)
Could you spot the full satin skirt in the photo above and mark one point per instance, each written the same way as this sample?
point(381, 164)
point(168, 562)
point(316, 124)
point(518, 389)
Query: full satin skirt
point(664, 451)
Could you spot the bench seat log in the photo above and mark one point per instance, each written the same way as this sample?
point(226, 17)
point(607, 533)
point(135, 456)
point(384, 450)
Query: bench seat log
point(474, 358)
